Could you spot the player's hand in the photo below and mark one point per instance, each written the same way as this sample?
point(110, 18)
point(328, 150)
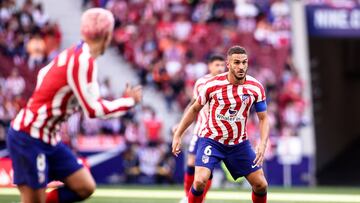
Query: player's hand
point(260, 152)
point(176, 145)
point(134, 92)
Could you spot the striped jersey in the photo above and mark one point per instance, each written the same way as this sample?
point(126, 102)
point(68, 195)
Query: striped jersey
point(229, 107)
point(67, 82)
point(202, 116)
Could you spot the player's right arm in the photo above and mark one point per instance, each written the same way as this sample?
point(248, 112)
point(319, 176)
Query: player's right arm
point(188, 118)
point(190, 115)
point(196, 90)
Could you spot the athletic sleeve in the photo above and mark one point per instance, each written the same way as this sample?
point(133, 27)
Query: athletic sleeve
point(199, 84)
point(260, 103)
point(261, 93)
point(204, 94)
point(82, 78)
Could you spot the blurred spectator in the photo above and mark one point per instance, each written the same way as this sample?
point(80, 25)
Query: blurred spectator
point(15, 84)
point(105, 89)
point(36, 49)
point(153, 129)
point(150, 157)
point(91, 126)
point(166, 168)
point(40, 18)
point(131, 165)
point(246, 11)
point(132, 133)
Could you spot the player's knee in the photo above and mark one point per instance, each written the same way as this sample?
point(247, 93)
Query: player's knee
point(199, 184)
point(87, 190)
point(260, 186)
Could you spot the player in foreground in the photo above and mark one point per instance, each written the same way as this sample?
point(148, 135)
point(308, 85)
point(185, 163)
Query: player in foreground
point(216, 65)
point(69, 81)
point(230, 96)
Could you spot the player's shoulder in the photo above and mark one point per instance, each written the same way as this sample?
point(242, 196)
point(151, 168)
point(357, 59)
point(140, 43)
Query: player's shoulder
point(203, 79)
point(218, 78)
point(253, 81)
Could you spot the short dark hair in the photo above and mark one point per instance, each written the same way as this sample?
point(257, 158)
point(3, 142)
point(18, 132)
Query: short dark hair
point(236, 50)
point(216, 57)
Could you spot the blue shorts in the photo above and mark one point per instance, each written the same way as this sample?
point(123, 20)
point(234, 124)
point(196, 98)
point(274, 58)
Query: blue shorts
point(35, 163)
point(237, 158)
point(193, 145)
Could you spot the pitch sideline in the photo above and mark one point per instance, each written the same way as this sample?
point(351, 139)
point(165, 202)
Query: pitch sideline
point(214, 195)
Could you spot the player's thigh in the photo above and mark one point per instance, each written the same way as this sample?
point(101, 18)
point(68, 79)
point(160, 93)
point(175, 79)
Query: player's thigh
point(29, 195)
point(81, 181)
point(67, 167)
point(202, 174)
point(257, 179)
point(209, 154)
point(29, 159)
point(240, 161)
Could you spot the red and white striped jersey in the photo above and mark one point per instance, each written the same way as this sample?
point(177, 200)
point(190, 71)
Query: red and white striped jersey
point(229, 107)
point(203, 114)
point(67, 82)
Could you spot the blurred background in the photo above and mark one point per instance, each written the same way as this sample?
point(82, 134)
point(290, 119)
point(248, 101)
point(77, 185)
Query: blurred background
point(304, 52)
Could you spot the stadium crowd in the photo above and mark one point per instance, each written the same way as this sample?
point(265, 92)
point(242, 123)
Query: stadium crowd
point(167, 42)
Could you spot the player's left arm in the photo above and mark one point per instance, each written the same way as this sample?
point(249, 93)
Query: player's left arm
point(264, 132)
point(83, 80)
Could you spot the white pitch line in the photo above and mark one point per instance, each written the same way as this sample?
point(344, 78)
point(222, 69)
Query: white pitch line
point(214, 195)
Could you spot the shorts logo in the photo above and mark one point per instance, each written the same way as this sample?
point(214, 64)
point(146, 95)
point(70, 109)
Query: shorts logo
point(205, 159)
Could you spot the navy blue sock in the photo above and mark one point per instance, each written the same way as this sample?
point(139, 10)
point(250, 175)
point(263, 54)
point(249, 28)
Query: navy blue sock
point(67, 195)
point(196, 193)
point(190, 170)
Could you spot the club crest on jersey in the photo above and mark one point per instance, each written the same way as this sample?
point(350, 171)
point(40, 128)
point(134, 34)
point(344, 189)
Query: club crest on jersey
point(205, 159)
point(245, 98)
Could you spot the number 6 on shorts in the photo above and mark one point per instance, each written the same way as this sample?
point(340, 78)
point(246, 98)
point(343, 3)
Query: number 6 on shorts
point(207, 150)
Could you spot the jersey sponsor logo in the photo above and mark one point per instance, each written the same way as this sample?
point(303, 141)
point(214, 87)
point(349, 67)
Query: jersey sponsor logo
point(230, 116)
point(253, 166)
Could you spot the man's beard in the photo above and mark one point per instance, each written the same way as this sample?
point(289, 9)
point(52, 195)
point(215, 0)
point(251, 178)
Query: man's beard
point(239, 78)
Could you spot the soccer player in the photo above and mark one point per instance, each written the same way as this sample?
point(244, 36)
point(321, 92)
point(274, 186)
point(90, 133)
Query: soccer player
point(230, 96)
point(67, 82)
point(216, 65)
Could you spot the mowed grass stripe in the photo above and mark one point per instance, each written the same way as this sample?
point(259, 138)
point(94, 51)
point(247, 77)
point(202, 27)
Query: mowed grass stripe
point(213, 195)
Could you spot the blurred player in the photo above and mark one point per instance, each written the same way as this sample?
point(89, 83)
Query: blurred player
point(216, 65)
point(230, 96)
point(69, 81)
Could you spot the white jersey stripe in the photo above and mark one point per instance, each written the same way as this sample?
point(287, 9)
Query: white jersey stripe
point(37, 124)
point(42, 73)
point(17, 120)
point(62, 58)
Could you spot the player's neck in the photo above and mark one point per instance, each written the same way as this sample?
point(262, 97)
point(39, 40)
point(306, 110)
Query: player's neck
point(95, 49)
point(234, 81)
